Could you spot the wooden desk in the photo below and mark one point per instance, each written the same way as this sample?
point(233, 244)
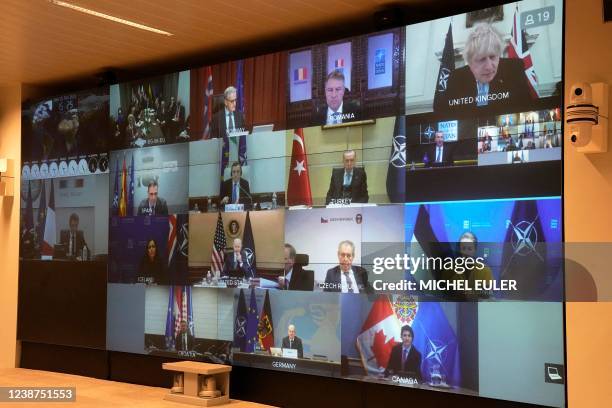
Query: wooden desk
point(96, 393)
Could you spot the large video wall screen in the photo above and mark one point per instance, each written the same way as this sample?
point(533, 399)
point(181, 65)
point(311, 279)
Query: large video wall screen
point(382, 208)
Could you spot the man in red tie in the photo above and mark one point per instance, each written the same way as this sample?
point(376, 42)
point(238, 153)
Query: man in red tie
point(405, 359)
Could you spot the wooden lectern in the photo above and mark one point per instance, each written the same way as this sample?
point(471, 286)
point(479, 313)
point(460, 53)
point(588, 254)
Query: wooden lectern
point(201, 384)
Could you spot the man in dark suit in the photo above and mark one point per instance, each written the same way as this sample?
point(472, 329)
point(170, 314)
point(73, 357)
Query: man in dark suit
point(348, 184)
point(346, 277)
point(236, 263)
point(73, 239)
point(184, 340)
point(405, 359)
point(487, 80)
point(153, 204)
point(439, 154)
point(175, 121)
point(295, 278)
point(236, 189)
point(336, 109)
point(228, 119)
point(293, 342)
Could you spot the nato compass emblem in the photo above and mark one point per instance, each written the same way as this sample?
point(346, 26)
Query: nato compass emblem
point(524, 238)
point(443, 79)
point(429, 133)
point(250, 255)
point(240, 328)
point(436, 351)
point(398, 156)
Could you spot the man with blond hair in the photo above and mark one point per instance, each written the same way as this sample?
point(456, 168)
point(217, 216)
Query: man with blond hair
point(488, 80)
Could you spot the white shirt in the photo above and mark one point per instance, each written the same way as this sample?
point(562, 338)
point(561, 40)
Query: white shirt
point(70, 243)
point(288, 277)
point(334, 118)
point(235, 185)
point(227, 116)
point(440, 151)
point(236, 260)
point(344, 283)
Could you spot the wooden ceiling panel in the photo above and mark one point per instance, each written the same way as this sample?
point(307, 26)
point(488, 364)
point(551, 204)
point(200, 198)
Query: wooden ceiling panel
point(43, 42)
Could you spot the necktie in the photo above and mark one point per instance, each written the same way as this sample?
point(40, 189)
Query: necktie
point(185, 341)
point(72, 244)
point(178, 111)
point(483, 93)
point(404, 357)
point(347, 179)
point(290, 343)
point(235, 193)
point(349, 284)
point(439, 154)
point(231, 121)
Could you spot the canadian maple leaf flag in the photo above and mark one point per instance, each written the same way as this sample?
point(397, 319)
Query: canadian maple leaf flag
point(380, 332)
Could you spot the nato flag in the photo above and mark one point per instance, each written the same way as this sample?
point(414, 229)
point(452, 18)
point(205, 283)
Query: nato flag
point(396, 174)
point(240, 323)
point(447, 66)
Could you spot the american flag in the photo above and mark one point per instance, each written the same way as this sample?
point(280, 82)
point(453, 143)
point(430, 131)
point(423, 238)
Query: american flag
point(518, 48)
point(208, 98)
point(218, 247)
point(183, 309)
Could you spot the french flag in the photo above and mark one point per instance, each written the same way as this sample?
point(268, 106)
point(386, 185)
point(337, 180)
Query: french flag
point(300, 74)
point(339, 64)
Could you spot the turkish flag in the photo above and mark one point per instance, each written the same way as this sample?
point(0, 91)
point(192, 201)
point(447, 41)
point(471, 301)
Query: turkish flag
point(379, 333)
point(298, 191)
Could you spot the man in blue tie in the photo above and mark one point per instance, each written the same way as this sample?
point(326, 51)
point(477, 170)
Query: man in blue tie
point(405, 359)
point(236, 189)
point(349, 184)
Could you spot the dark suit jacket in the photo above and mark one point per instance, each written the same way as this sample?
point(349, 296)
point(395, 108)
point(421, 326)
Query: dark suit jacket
point(218, 127)
point(226, 191)
point(173, 128)
point(333, 281)
point(151, 272)
point(447, 155)
point(180, 344)
point(161, 208)
point(301, 280)
point(235, 270)
point(78, 245)
point(411, 367)
point(295, 345)
point(358, 191)
point(462, 83)
point(351, 111)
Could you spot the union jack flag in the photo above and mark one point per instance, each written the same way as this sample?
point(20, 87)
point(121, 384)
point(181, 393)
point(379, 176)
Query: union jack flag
point(518, 48)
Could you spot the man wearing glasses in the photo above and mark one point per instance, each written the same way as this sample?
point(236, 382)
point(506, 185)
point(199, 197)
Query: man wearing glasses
point(228, 119)
point(153, 204)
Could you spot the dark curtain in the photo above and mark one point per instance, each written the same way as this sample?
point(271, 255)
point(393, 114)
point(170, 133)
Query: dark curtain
point(265, 89)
